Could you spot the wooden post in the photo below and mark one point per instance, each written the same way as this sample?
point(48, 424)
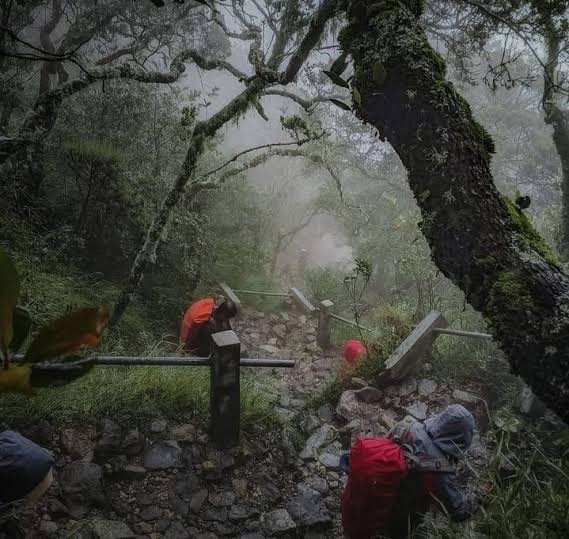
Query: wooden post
point(407, 355)
point(323, 334)
point(301, 302)
point(225, 398)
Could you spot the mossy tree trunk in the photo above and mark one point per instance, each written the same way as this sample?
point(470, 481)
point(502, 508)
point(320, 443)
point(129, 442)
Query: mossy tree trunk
point(558, 119)
point(478, 238)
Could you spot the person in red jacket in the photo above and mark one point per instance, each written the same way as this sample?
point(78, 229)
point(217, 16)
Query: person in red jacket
point(197, 338)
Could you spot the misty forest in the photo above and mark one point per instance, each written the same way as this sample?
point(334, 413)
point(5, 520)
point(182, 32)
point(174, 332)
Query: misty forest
point(380, 191)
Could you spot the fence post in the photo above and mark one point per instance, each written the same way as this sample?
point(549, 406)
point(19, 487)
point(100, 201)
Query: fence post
point(323, 335)
point(225, 400)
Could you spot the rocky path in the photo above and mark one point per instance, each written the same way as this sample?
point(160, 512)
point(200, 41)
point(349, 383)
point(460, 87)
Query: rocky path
point(164, 479)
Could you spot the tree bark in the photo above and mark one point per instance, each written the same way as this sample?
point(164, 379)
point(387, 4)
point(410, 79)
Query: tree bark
point(478, 238)
point(558, 119)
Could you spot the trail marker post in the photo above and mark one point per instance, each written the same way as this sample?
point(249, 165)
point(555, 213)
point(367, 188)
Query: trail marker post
point(323, 333)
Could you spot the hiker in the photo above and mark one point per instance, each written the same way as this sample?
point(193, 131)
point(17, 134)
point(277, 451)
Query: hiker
point(26, 472)
point(393, 481)
point(201, 321)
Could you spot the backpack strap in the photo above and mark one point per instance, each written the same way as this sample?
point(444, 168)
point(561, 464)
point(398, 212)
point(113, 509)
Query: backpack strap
point(399, 433)
point(428, 464)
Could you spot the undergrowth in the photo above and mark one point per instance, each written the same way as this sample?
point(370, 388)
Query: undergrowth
point(48, 290)
point(525, 490)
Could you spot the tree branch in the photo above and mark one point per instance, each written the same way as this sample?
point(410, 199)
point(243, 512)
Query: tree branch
point(323, 14)
point(306, 104)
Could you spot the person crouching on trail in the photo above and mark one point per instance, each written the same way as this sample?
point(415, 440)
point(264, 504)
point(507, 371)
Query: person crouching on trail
point(201, 321)
point(393, 481)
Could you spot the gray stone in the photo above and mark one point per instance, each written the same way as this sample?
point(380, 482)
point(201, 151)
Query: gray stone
point(77, 443)
point(243, 512)
point(463, 396)
point(358, 382)
point(407, 388)
point(308, 508)
point(177, 531)
point(109, 439)
point(162, 525)
point(158, 425)
point(388, 418)
point(312, 347)
point(317, 483)
point(309, 424)
point(81, 486)
point(323, 436)
point(133, 443)
point(269, 349)
point(252, 536)
point(151, 512)
point(216, 514)
point(185, 434)
point(133, 472)
point(198, 500)
point(48, 528)
point(162, 455)
point(280, 331)
point(240, 487)
point(330, 460)
point(368, 394)
point(187, 486)
point(278, 522)
point(427, 387)
point(222, 499)
point(110, 529)
point(418, 410)
point(284, 413)
point(348, 406)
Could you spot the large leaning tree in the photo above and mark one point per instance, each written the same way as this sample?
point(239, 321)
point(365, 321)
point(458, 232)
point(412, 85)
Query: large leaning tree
point(479, 239)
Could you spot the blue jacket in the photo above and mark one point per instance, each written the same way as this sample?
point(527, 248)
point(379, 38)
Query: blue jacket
point(447, 435)
point(23, 465)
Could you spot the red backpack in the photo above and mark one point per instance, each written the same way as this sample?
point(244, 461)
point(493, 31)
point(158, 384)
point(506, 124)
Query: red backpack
point(196, 316)
point(379, 469)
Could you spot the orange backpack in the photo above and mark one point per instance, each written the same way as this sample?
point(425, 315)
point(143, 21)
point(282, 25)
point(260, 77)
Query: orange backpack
point(197, 314)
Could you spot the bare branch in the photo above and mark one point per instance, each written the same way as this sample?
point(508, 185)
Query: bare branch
point(254, 149)
point(306, 104)
point(324, 13)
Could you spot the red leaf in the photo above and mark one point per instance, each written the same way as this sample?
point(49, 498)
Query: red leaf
point(68, 334)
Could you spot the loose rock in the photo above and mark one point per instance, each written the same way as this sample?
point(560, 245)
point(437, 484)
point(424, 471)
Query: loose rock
point(278, 523)
point(162, 455)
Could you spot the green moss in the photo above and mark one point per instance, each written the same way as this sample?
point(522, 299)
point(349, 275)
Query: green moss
point(527, 237)
point(510, 289)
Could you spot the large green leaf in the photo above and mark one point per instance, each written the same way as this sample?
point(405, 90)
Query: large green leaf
point(9, 292)
point(68, 334)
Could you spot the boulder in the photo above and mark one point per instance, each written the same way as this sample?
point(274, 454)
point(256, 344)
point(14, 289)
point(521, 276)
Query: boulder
point(427, 387)
point(222, 499)
point(348, 406)
point(243, 512)
point(133, 443)
point(162, 455)
point(280, 331)
point(418, 410)
point(408, 387)
point(308, 509)
point(198, 500)
point(185, 434)
point(278, 522)
point(158, 426)
point(323, 436)
point(109, 439)
point(368, 394)
point(77, 443)
point(81, 486)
